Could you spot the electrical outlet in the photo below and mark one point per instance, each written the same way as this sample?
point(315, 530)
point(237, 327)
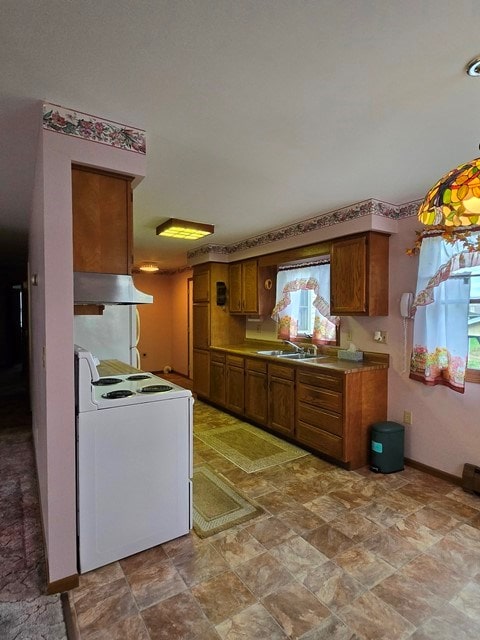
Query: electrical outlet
point(380, 337)
point(407, 417)
point(348, 336)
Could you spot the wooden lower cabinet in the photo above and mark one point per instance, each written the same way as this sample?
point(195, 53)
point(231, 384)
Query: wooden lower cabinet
point(329, 412)
point(281, 399)
point(256, 390)
point(217, 377)
point(235, 384)
point(201, 372)
point(334, 412)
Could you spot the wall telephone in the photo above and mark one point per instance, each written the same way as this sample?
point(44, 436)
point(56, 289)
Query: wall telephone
point(406, 305)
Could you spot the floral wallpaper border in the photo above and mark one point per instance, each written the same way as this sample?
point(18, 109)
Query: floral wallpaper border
point(92, 128)
point(357, 210)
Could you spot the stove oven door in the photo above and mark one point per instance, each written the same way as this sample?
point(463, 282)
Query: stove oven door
point(133, 478)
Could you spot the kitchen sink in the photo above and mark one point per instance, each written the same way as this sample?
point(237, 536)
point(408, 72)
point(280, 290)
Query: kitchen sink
point(289, 355)
point(297, 356)
point(272, 353)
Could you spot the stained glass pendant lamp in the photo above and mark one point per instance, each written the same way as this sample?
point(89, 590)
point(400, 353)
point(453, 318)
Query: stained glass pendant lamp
point(454, 201)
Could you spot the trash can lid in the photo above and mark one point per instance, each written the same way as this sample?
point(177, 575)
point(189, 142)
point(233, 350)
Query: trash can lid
point(388, 427)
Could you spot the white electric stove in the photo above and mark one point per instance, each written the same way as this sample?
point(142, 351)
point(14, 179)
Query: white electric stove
point(134, 462)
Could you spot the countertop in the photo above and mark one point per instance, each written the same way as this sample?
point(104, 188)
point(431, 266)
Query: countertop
point(114, 368)
point(327, 358)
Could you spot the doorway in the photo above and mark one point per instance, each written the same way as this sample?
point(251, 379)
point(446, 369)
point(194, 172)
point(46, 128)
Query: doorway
point(13, 334)
point(190, 326)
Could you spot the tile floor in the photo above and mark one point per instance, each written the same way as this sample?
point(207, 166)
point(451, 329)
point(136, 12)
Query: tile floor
point(337, 555)
point(26, 610)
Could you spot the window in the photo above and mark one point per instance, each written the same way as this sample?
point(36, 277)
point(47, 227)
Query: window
point(473, 365)
point(445, 349)
point(303, 304)
point(306, 312)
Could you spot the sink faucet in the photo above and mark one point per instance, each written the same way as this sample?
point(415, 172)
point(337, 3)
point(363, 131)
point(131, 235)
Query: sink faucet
point(295, 346)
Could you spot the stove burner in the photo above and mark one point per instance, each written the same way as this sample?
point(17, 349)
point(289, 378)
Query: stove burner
point(103, 382)
point(139, 376)
point(118, 393)
point(155, 388)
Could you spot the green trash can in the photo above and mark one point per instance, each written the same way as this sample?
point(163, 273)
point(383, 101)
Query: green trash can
point(387, 446)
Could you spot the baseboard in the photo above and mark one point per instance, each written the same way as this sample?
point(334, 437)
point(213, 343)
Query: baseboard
point(434, 472)
point(64, 584)
point(70, 617)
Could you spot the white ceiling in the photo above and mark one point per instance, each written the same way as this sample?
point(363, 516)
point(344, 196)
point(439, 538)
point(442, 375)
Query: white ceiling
point(258, 113)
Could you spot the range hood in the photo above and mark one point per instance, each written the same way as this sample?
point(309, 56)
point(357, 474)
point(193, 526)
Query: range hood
point(106, 288)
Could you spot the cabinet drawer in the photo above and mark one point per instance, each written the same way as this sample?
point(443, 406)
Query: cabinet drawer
point(276, 370)
point(325, 420)
point(215, 356)
point(320, 397)
point(321, 380)
point(235, 361)
point(256, 365)
point(320, 440)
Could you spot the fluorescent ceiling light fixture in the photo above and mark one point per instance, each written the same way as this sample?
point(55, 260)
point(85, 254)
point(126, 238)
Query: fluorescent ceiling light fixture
point(149, 267)
point(175, 228)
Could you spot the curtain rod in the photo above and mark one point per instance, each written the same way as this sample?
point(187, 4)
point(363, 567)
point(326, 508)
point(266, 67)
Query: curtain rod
point(302, 265)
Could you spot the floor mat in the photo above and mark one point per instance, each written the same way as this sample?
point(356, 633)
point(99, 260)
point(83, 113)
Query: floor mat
point(250, 448)
point(216, 505)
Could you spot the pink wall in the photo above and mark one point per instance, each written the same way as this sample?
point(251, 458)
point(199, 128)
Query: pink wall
point(51, 311)
point(164, 323)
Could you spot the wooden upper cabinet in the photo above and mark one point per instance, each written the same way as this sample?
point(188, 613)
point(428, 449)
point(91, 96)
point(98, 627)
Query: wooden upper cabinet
point(250, 286)
point(235, 288)
point(359, 275)
point(201, 284)
point(201, 326)
point(243, 281)
point(102, 221)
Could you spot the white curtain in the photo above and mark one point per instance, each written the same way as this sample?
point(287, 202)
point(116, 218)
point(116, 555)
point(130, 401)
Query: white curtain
point(290, 282)
point(440, 338)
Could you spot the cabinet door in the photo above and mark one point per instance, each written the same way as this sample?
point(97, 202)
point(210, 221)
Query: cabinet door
point(217, 380)
point(281, 403)
point(256, 391)
point(102, 222)
point(250, 286)
point(348, 276)
point(201, 372)
point(201, 284)
point(201, 326)
point(359, 275)
point(235, 288)
point(235, 384)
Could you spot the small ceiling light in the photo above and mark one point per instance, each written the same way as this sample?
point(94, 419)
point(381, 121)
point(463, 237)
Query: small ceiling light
point(473, 67)
point(149, 267)
point(454, 201)
point(184, 229)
